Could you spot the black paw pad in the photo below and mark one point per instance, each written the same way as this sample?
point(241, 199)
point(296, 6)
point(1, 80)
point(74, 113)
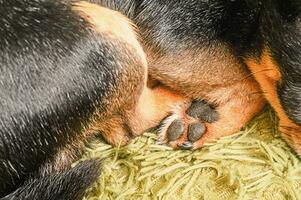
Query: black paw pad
point(202, 110)
point(196, 131)
point(175, 130)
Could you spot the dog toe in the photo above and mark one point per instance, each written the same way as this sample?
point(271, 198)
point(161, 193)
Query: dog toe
point(196, 131)
point(175, 130)
point(202, 110)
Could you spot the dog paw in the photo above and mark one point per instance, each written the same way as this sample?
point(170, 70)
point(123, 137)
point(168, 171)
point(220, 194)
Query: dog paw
point(186, 126)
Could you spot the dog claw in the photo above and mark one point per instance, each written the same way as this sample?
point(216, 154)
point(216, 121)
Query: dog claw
point(186, 145)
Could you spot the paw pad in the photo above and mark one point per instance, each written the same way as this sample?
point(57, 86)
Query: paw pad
point(183, 129)
point(196, 131)
point(175, 130)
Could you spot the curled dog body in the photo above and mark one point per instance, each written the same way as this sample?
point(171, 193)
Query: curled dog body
point(229, 53)
point(71, 70)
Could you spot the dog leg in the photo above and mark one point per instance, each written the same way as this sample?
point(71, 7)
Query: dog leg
point(152, 106)
point(202, 123)
point(266, 72)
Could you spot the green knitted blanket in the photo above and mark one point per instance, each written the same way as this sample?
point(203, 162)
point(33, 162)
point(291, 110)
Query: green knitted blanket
point(254, 163)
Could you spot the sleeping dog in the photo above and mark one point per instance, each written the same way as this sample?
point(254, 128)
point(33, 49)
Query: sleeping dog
point(71, 70)
point(226, 56)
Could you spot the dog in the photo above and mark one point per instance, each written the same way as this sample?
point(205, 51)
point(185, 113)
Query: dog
point(72, 69)
point(69, 70)
point(230, 55)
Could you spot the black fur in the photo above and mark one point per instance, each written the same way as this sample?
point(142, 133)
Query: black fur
point(67, 185)
point(55, 71)
point(283, 36)
point(246, 26)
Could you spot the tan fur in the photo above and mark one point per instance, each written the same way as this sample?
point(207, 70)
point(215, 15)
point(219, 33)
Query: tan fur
point(113, 129)
point(216, 75)
point(266, 72)
point(267, 75)
point(210, 73)
point(196, 72)
point(105, 20)
point(153, 106)
point(242, 104)
point(138, 109)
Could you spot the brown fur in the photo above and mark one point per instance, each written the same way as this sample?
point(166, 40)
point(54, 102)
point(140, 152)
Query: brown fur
point(112, 22)
point(244, 102)
point(141, 109)
point(196, 72)
point(214, 74)
point(266, 72)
